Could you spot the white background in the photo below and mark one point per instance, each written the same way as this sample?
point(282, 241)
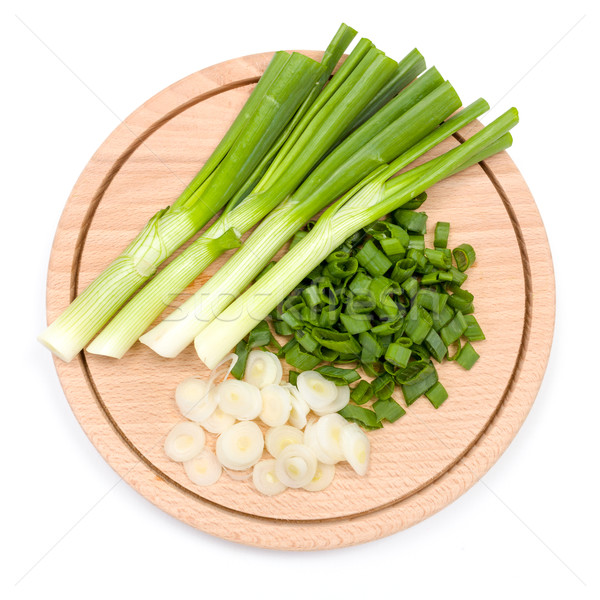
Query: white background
point(71, 71)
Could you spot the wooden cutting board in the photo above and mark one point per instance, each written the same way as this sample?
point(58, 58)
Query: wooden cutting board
point(419, 464)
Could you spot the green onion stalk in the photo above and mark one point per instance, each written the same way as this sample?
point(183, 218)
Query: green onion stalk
point(287, 83)
point(377, 196)
point(413, 132)
point(343, 103)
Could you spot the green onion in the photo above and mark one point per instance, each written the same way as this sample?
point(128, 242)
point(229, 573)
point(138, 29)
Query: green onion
point(338, 375)
point(441, 234)
point(467, 357)
point(458, 278)
point(260, 335)
point(416, 222)
point(306, 340)
point(418, 324)
point(295, 356)
point(464, 255)
point(356, 323)
point(418, 385)
point(454, 329)
point(388, 409)
point(347, 215)
point(438, 258)
point(403, 269)
point(371, 348)
point(373, 260)
point(242, 350)
point(398, 355)
point(473, 332)
point(342, 343)
point(293, 377)
point(416, 202)
point(383, 386)
point(361, 393)
point(437, 394)
point(435, 345)
point(362, 416)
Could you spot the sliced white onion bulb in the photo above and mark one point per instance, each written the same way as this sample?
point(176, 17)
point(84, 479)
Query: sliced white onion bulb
point(264, 478)
point(317, 391)
point(262, 369)
point(203, 469)
point(322, 478)
point(310, 440)
point(277, 438)
point(184, 441)
point(300, 408)
point(356, 447)
point(329, 434)
point(239, 475)
point(342, 399)
point(276, 405)
point(196, 399)
point(241, 446)
point(239, 399)
point(218, 422)
point(296, 465)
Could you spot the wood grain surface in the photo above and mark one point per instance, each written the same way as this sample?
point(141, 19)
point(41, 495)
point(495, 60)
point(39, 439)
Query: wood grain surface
point(419, 464)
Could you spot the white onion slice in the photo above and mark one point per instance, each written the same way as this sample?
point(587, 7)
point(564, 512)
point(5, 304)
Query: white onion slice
point(310, 439)
point(196, 399)
point(316, 390)
point(296, 465)
point(264, 478)
point(262, 369)
point(276, 405)
point(239, 475)
point(239, 399)
point(184, 441)
point(218, 422)
point(300, 408)
point(322, 478)
point(231, 359)
point(277, 438)
point(356, 447)
point(342, 399)
point(329, 434)
point(203, 469)
point(241, 446)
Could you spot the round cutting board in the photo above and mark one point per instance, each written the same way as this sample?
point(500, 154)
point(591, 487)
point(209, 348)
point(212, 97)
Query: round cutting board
point(419, 464)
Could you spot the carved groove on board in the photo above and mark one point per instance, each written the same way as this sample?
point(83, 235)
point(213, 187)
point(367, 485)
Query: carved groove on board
point(97, 395)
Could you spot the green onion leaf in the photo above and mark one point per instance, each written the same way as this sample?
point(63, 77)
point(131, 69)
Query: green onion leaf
point(464, 255)
point(467, 356)
point(362, 393)
point(440, 236)
point(388, 409)
point(373, 259)
point(437, 394)
point(338, 375)
point(361, 416)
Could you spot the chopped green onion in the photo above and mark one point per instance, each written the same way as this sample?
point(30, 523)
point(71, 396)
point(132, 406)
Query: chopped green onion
point(473, 332)
point(435, 345)
point(464, 255)
point(293, 377)
point(467, 356)
point(416, 202)
point(416, 242)
point(437, 394)
point(454, 329)
point(403, 269)
point(362, 393)
point(306, 340)
point(398, 355)
point(416, 387)
point(242, 350)
point(373, 260)
point(356, 323)
point(260, 336)
point(295, 356)
point(441, 234)
point(362, 416)
point(418, 324)
point(438, 258)
point(383, 386)
point(371, 349)
point(342, 343)
point(388, 409)
point(338, 375)
point(410, 220)
point(458, 278)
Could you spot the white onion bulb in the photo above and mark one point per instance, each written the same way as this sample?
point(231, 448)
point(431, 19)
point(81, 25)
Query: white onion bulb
point(184, 441)
point(342, 399)
point(262, 369)
point(300, 408)
point(203, 469)
point(276, 405)
point(296, 465)
point(277, 438)
point(329, 431)
point(264, 478)
point(317, 391)
point(356, 448)
point(239, 399)
point(218, 422)
point(241, 446)
point(322, 478)
point(196, 399)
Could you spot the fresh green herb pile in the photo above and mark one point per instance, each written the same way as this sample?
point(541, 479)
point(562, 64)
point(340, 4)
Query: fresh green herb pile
point(384, 302)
